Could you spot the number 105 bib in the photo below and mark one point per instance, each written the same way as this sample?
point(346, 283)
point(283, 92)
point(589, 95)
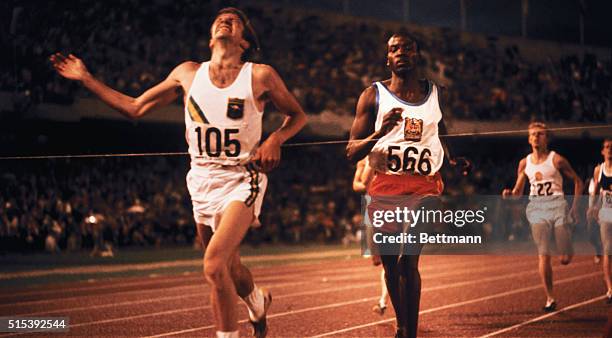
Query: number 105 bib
point(223, 125)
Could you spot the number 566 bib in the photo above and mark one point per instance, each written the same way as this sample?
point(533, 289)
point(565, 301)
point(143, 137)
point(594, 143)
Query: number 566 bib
point(413, 146)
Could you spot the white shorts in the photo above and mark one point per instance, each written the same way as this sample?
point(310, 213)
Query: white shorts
point(213, 187)
point(605, 215)
point(550, 210)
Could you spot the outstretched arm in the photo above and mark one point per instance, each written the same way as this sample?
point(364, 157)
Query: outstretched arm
point(275, 90)
point(162, 94)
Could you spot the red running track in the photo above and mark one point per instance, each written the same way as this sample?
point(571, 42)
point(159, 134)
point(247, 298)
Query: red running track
point(463, 296)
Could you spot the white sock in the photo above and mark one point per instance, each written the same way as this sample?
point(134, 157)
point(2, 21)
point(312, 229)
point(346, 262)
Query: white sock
point(382, 302)
point(609, 293)
point(232, 334)
point(255, 304)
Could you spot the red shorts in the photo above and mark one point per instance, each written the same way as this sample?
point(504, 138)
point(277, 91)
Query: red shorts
point(393, 185)
point(389, 192)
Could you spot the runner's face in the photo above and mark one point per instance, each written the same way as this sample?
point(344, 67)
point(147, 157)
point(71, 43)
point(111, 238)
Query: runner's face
point(606, 150)
point(227, 26)
point(537, 137)
point(402, 54)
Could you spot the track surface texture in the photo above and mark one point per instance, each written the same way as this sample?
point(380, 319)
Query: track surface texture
point(462, 296)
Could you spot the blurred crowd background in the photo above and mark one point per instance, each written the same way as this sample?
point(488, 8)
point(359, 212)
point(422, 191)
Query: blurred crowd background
point(326, 62)
point(99, 204)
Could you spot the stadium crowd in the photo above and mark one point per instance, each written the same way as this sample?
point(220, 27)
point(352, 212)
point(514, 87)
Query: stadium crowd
point(101, 203)
point(326, 62)
point(98, 204)
point(62, 204)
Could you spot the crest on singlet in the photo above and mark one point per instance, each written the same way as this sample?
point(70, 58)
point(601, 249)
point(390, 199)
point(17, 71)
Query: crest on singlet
point(544, 178)
point(223, 125)
point(412, 147)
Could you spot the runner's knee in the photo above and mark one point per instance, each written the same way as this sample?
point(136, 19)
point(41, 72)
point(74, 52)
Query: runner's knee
point(215, 271)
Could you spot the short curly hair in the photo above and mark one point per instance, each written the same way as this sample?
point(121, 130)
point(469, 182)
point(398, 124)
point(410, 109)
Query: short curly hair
point(406, 35)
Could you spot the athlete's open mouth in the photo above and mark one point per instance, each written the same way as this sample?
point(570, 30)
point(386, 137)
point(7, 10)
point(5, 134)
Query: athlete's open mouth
point(224, 27)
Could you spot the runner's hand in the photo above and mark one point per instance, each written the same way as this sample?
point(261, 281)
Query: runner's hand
point(69, 67)
point(268, 155)
point(506, 193)
point(574, 214)
point(391, 119)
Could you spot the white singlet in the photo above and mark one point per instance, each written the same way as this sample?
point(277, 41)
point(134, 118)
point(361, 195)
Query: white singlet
point(223, 125)
point(605, 190)
point(544, 178)
point(413, 146)
point(223, 130)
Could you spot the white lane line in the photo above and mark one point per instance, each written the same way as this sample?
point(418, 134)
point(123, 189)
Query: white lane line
point(273, 285)
point(198, 294)
point(111, 320)
point(162, 279)
point(330, 279)
point(259, 281)
point(296, 294)
point(280, 314)
point(200, 278)
point(150, 280)
point(177, 263)
point(458, 304)
point(164, 289)
point(356, 327)
point(498, 295)
point(536, 319)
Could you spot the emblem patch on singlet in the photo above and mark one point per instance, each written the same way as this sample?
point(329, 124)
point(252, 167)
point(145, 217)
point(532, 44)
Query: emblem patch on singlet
point(538, 176)
point(413, 129)
point(235, 108)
